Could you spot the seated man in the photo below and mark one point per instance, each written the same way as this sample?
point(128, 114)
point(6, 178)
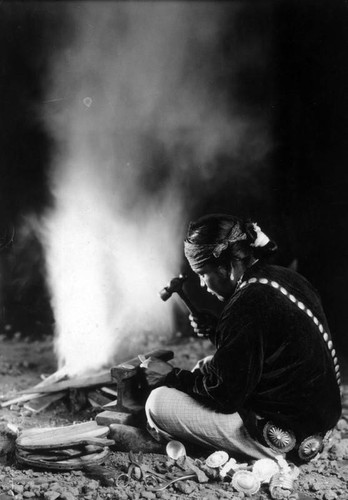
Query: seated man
point(272, 385)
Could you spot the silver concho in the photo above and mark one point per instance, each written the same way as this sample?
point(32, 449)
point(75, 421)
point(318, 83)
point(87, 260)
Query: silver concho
point(278, 439)
point(217, 459)
point(310, 447)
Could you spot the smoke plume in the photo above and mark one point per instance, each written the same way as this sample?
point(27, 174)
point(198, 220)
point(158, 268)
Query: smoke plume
point(139, 108)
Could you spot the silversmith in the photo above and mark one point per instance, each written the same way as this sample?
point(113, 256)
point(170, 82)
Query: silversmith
point(272, 385)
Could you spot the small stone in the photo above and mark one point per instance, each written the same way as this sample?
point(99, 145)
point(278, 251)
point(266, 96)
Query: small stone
point(55, 486)
point(18, 488)
point(93, 484)
point(27, 413)
point(66, 495)
point(29, 494)
point(51, 495)
point(148, 494)
point(330, 495)
point(185, 487)
point(314, 487)
point(342, 425)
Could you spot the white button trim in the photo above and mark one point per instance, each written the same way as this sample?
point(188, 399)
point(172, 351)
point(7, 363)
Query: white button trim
point(300, 305)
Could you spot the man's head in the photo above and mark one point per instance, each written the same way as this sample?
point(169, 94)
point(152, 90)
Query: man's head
point(221, 247)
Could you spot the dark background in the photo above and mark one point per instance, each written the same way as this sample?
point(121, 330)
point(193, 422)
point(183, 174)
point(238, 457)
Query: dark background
point(300, 199)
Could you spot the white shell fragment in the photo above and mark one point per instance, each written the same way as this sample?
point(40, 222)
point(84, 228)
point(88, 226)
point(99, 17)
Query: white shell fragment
point(228, 467)
point(175, 450)
point(265, 468)
point(216, 459)
point(246, 482)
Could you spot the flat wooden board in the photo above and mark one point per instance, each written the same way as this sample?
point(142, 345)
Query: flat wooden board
point(42, 402)
point(103, 378)
point(69, 464)
point(64, 437)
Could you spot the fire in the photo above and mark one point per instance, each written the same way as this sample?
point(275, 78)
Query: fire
point(104, 272)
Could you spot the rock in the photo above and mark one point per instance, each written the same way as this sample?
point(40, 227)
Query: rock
point(314, 487)
point(55, 486)
point(342, 425)
point(128, 438)
point(330, 495)
point(18, 488)
point(93, 485)
point(185, 487)
point(7, 444)
point(27, 413)
point(66, 495)
point(51, 495)
point(339, 450)
point(148, 494)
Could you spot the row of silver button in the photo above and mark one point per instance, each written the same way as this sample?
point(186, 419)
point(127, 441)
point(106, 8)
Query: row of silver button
point(300, 305)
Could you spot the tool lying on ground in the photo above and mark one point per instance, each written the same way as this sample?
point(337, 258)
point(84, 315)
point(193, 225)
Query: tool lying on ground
point(64, 448)
point(137, 467)
point(176, 286)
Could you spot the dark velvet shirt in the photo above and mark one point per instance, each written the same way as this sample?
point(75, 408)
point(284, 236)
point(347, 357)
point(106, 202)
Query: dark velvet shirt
point(271, 360)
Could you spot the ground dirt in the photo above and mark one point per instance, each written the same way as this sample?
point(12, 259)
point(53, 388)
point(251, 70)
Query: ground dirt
point(24, 362)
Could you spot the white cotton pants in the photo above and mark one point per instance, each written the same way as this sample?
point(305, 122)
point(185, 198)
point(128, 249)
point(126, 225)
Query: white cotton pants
point(175, 415)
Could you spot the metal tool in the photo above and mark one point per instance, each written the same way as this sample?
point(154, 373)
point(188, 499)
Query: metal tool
point(174, 480)
point(176, 286)
point(131, 382)
point(148, 475)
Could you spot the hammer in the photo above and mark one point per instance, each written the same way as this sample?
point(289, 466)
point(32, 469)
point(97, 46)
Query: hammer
point(176, 285)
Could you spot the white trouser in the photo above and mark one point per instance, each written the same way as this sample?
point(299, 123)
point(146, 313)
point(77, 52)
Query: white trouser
point(175, 415)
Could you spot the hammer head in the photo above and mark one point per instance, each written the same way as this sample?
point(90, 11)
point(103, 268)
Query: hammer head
point(175, 285)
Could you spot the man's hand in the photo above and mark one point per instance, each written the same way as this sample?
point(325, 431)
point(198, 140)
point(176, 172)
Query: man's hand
point(203, 324)
point(155, 370)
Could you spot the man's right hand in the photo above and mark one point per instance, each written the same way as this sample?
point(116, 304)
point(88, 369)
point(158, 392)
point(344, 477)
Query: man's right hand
point(204, 323)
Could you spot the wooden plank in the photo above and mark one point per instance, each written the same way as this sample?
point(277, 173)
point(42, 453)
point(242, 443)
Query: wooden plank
point(41, 403)
point(62, 442)
point(109, 391)
point(75, 429)
point(98, 398)
point(102, 378)
point(31, 394)
point(64, 437)
point(73, 463)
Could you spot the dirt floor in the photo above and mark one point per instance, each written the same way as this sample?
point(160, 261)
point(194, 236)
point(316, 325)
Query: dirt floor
point(23, 363)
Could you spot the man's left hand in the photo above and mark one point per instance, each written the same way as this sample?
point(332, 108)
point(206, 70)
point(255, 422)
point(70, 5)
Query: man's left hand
point(155, 370)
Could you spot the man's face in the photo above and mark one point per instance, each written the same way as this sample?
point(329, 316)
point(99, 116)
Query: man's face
point(218, 281)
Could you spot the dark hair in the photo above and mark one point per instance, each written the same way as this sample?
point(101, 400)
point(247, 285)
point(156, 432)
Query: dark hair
point(218, 228)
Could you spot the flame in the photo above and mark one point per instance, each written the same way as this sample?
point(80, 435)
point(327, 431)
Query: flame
point(105, 272)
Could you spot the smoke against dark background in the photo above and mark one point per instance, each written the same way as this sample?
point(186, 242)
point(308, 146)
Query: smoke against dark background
point(172, 111)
